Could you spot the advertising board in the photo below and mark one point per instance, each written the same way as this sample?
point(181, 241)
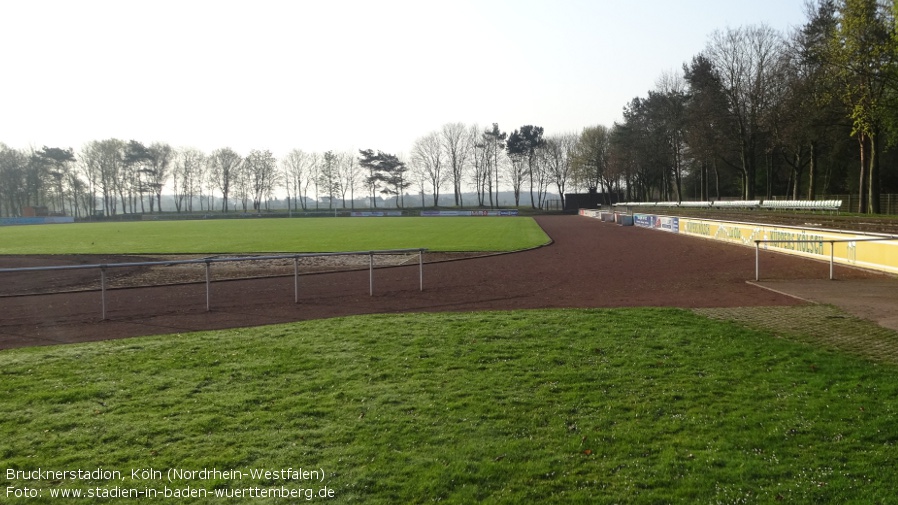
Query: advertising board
point(664, 223)
point(671, 224)
point(376, 213)
point(19, 221)
point(847, 248)
point(644, 220)
point(485, 212)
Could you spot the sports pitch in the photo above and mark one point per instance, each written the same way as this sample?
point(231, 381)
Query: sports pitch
point(275, 236)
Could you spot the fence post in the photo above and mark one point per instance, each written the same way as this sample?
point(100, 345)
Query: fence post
point(296, 279)
point(208, 306)
point(103, 289)
point(832, 254)
point(370, 273)
point(757, 260)
point(421, 268)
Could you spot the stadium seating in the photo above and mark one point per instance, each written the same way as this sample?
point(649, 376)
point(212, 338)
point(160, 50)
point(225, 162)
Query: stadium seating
point(810, 205)
point(813, 205)
point(737, 204)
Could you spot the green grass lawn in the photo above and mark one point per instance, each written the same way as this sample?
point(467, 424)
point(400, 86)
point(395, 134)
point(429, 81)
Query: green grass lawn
point(275, 236)
point(547, 406)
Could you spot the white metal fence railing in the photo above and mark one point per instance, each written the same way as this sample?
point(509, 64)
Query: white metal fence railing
point(832, 249)
point(209, 261)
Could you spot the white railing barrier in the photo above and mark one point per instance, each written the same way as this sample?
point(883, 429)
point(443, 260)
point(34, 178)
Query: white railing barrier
point(208, 266)
point(831, 243)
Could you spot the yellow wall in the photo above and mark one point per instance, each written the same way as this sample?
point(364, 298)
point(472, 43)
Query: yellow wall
point(882, 256)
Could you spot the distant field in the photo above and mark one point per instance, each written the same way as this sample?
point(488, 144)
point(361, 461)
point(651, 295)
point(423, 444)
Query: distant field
point(548, 406)
point(275, 236)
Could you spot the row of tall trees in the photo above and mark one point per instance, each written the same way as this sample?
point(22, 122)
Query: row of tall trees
point(115, 177)
point(759, 113)
point(459, 156)
point(488, 159)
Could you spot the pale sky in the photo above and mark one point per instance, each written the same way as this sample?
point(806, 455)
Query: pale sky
point(339, 75)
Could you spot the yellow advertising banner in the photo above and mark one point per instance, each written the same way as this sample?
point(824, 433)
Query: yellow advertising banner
point(847, 248)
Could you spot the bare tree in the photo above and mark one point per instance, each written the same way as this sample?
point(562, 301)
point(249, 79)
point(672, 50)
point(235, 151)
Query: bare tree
point(518, 169)
point(541, 175)
point(670, 110)
point(57, 166)
point(328, 176)
point(205, 187)
point(747, 62)
point(348, 175)
point(224, 164)
point(427, 154)
point(493, 144)
point(13, 164)
point(138, 169)
point(104, 159)
point(456, 146)
point(241, 185)
point(558, 156)
point(311, 178)
point(590, 165)
point(158, 170)
point(480, 174)
point(186, 175)
point(315, 177)
point(418, 174)
point(90, 171)
point(485, 149)
point(260, 170)
point(81, 199)
point(297, 165)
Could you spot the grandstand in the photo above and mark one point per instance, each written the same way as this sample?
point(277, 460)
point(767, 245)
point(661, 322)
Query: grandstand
point(806, 205)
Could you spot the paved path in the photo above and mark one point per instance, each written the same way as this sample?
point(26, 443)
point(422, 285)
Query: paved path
point(872, 299)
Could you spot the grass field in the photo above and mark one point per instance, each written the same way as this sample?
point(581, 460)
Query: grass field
point(547, 406)
point(275, 236)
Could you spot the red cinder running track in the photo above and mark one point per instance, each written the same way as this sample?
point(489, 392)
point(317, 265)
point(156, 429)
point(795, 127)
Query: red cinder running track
point(589, 264)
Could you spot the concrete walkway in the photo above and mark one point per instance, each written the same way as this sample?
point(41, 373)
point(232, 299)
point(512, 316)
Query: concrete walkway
point(872, 299)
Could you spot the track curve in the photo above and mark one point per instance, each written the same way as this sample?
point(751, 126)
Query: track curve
point(589, 264)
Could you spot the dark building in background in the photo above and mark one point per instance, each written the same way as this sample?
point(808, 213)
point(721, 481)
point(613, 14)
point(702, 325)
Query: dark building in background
point(591, 200)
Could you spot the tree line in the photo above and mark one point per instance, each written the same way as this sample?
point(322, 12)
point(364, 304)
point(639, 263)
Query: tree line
point(760, 114)
point(756, 114)
point(114, 177)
